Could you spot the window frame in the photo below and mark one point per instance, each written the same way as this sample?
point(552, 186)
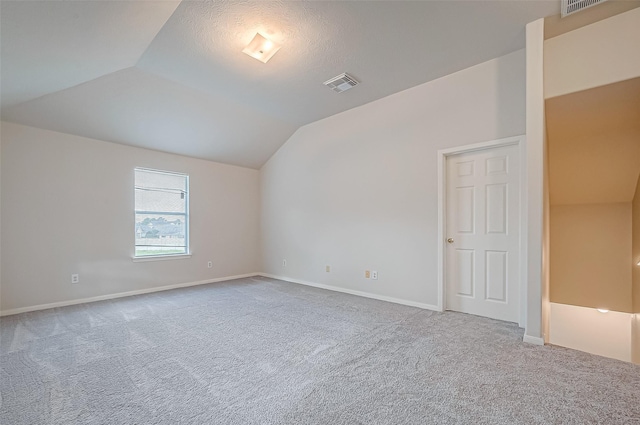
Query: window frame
point(187, 239)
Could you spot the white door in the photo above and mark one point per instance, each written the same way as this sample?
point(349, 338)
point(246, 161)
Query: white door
point(483, 233)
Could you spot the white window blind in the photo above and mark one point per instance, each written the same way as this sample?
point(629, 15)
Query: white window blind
point(162, 213)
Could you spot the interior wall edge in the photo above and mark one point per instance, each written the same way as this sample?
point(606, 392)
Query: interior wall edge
point(535, 164)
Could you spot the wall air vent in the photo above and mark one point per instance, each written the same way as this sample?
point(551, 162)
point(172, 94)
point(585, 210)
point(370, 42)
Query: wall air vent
point(573, 6)
point(341, 83)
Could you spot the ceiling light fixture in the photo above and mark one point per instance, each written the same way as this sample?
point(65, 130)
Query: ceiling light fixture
point(261, 48)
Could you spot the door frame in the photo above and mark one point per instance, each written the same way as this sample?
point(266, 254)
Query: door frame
point(518, 141)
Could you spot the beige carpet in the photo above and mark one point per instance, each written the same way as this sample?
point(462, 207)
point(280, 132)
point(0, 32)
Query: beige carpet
point(262, 351)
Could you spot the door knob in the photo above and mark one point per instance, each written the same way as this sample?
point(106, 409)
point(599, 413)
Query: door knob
point(450, 240)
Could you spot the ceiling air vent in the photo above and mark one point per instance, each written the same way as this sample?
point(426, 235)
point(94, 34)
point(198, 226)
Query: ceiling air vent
point(341, 83)
point(573, 6)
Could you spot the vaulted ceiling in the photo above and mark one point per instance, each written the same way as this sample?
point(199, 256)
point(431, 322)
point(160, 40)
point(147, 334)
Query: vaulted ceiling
point(171, 76)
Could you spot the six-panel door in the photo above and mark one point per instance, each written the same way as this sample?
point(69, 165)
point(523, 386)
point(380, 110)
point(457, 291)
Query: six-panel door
point(482, 232)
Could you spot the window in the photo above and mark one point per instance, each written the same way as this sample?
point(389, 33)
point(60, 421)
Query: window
point(162, 213)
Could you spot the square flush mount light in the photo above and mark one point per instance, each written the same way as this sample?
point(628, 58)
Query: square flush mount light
point(261, 48)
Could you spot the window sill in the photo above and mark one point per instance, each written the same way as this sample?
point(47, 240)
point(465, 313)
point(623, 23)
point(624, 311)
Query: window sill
point(160, 257)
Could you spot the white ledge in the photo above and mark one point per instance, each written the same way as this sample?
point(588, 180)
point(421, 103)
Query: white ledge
point(160, 257)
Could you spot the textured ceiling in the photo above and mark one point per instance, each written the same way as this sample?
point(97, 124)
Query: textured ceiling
point(594, 144)
point(50, 45)
point(173, 78)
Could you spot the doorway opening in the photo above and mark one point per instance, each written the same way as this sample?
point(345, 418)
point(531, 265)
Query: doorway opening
point(481, 224)
point(593, 141)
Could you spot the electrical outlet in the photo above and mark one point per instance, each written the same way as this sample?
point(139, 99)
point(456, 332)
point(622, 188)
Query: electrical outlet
point(327, 269)
point(210, 264)
point(284, 263)
point(374, 275)
point(75, 278)
point(367, 274)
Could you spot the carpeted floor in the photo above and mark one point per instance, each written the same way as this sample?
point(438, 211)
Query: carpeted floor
point(262, 351)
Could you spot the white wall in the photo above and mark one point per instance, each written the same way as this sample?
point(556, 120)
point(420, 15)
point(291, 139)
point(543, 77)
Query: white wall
point(67, 207)
point(537, 189)
point(601, 53)
point(587, 329)
point(358, 190)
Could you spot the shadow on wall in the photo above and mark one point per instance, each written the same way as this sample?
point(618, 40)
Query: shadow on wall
point(594, 189)
point(593, 103)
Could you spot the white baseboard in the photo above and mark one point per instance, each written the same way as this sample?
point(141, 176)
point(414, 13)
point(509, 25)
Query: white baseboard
point(533, 340)
point(354, 292)
point(119, 295)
